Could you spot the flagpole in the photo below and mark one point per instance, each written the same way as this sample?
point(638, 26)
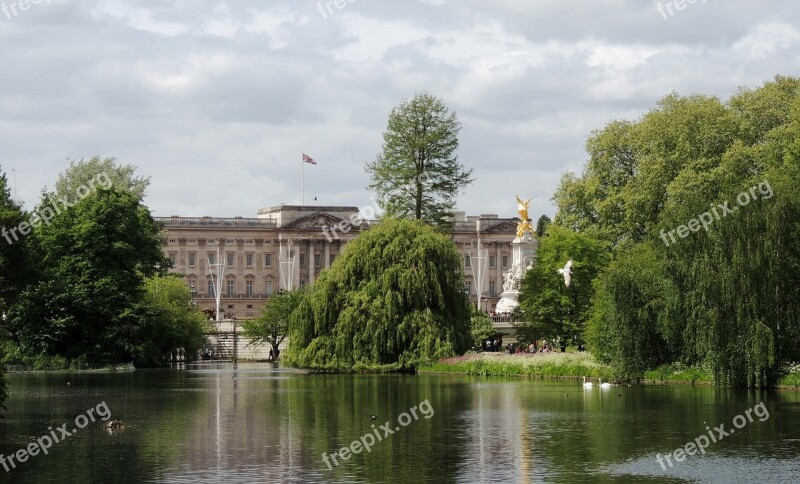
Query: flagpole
point(303, 177)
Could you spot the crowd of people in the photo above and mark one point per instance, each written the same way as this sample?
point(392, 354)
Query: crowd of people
point(496, 345)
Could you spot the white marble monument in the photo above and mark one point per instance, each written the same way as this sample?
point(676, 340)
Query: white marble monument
point(523, 254)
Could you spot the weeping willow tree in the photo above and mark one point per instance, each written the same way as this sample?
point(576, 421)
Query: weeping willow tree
point(725, 295)
point(394, 298)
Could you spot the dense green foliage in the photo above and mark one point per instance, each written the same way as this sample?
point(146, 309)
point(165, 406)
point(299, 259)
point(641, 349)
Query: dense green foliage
point(552, 365)
point(90, 299)
point(178, 323)
point(724, 298)
point(418, 175)
point(542, 224)
point(81, 173)
point(551, 309)
point(482, 327)
point(15, 267)
point(272, 326)
point(392, 299)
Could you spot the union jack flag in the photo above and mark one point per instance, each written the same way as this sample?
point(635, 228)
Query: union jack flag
point(308, 159)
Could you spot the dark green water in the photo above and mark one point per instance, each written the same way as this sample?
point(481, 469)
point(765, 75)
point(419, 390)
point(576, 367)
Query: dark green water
point(256, 423)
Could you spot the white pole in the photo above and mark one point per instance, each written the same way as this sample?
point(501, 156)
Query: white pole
point(217, 285)
point(480, 267)
point(303, 177)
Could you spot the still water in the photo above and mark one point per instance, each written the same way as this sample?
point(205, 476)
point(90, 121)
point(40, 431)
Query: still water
point(259, 423)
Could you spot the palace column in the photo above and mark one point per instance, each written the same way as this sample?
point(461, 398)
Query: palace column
point(310, 261)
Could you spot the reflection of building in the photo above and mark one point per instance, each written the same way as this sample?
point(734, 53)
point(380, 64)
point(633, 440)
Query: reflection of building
point(301, 240)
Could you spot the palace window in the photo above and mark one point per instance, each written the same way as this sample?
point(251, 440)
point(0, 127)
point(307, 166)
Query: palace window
point(492, 262)
point(249, 259)
point(491, 288)
point(302, 260)
point(230, 288)
point(317, 260)
point(467, 262)
point(269, 288)
point(249, 288)
point(505, 262)
point(192, 259)
point(231, 259)
point(267, 260)
point(211, 289)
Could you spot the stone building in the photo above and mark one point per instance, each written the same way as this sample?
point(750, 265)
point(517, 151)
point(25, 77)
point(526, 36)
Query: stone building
point(287, 246)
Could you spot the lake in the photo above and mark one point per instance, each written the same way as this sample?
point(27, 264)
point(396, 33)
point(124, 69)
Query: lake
point(262, 423)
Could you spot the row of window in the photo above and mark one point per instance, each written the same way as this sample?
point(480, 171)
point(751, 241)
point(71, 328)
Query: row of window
point(492, 288)
point(249, 258)
point(230, 288)
point(492, 261)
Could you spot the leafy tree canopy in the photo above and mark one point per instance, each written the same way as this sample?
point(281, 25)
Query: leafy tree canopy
point(551, 309)
point(418, 175)
point(724, 296)
point(392, 299)
point(81, 173)
point(96, 256)
point(272, 326)
point(482, 326)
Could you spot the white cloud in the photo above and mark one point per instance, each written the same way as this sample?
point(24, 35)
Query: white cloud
point(766, 40)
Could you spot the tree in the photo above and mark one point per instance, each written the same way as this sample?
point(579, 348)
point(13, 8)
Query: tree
point(81, 173)
point(181, 324)
point(723, 295)
point(272, 326)
point(542, 224)
point(482, 326)
point(88, 303)
point(16, 266)
point(418, 175)
point(550, 308)
point(393, 299)
point(629, 326)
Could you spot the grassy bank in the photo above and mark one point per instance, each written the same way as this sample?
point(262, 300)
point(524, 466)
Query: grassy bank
point(552, 365)
point(677, 373)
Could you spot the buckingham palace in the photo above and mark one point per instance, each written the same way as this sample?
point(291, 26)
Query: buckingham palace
point(286, 247)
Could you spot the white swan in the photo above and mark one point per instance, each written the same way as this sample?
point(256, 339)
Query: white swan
point(604, 385)
point(587, 384)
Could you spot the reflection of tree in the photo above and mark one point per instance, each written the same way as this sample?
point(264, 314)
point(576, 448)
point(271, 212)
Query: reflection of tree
point(155, 407)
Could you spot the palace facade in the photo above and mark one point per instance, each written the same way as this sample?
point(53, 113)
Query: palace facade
point(286, 247)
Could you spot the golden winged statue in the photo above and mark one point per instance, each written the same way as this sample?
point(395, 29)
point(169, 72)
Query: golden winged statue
point(523, 225)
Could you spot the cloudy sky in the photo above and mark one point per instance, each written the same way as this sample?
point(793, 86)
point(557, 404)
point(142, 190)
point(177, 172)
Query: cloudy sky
point(215, 100)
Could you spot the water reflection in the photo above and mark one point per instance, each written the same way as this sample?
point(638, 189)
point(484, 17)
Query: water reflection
point(262, 423)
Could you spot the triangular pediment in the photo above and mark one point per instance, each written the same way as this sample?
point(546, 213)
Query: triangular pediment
point(315, 221)
point(505, 226)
